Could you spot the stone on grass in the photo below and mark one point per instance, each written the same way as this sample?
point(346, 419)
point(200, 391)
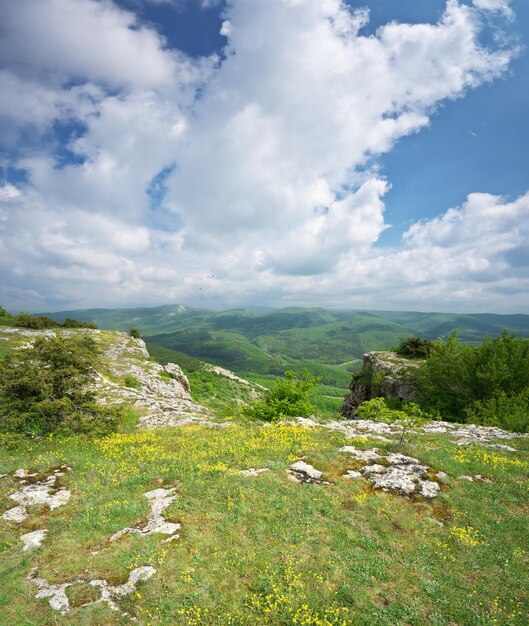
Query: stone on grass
point(159, 499)
point(45, 491)
point(477, 478)
point(33, 540)
point(109, 594)
point(352, 474)
point(302, 472)
point(251, 472)
point(393, 472)
point(361, 455)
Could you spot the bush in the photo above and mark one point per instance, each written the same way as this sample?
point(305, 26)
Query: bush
point(37, 322)
point(415, 347)
point(288, 397)
point(408, 416)
point(5, 317)
point(131, 381)
point(502, 410)
point(464, 382)
point(69, 322)
point(44, 388)
point(135, 333)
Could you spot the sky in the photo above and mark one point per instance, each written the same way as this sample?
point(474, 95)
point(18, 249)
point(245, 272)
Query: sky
point(332, 153)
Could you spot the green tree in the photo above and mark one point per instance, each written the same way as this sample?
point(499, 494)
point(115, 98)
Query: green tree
point(6, 317)
point(135, 333)
point(46, 387)
point(465, 382)
point(288, 397)
point(415, 347)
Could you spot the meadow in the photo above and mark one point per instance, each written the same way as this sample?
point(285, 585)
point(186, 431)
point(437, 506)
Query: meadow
point(263, 549)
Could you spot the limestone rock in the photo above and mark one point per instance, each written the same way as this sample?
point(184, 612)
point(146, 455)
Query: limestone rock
point(33, 540)
point(383, 374)
point(45, 491)
point(362, 455)
point(302, 472)
point(58, 600)
point(252, 472)
point(393, 472)
point(159, 499)
point(221, 371)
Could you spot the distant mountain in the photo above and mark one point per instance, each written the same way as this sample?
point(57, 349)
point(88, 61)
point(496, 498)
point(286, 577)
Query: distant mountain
point(264, 341)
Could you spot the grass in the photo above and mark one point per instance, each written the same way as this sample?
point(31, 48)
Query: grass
point(265, 550)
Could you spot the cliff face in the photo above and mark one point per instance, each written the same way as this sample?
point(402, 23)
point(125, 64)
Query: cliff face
point(383, 374)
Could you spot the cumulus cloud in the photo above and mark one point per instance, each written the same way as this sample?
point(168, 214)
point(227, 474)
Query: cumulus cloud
point(500, 6)
point(471, 254)
point(82, 39)
point(264, 162)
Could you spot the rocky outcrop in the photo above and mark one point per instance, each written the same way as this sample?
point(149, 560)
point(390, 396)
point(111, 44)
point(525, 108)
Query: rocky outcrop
point(161, 394)
point(159, 499)
point(383, 374)
point(37, 489)
point(108, 593)
point(396, 473)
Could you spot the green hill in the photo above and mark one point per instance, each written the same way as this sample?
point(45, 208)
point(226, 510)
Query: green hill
point(262, 343)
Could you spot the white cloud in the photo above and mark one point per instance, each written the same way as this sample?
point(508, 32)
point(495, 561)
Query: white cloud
point(82, 39)
point(274, 195)
point(500, 6)
point(9, 192)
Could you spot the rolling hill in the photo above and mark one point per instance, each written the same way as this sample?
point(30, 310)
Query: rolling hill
point(260, 344)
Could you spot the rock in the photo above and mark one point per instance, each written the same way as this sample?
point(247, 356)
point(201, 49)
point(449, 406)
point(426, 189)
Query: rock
point(471, 433)
point(361, 455)
point(400, 459)
point(159, 499)
point(33, 540)
point(58, 600)
point(352, 474)
point(43, 491)
point(383, 374)
point(162, 395)
point(251, 472)
point(304, 473)
point(399, 474)
point(220, 371)
point(477, 478)
point(56, 594)
point(501, 446)
point(176, 370)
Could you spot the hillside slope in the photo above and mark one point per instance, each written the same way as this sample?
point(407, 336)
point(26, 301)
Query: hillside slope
point(334, 523)
point(266, 342)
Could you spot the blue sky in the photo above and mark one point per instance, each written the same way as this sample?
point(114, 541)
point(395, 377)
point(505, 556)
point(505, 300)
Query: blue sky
point(361, 154)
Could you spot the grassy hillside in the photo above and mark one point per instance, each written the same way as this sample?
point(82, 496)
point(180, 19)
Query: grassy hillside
point(264, 550)
point(259, 344)
point(212, 517)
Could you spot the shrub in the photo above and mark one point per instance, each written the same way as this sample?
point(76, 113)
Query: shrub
point(502, 410)
point(135, 333)
point(38, 322)
point(5, 317)
point(131, 381)
point(409, 416)
point(69, 322)
point(460, 381)
point(288, 397)
point(45, 388)
point(415, 347)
